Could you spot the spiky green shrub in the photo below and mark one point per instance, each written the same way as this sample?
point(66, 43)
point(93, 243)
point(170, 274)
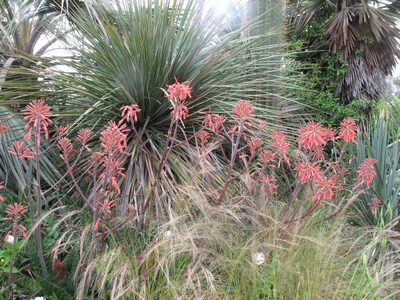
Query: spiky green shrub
point(379, 143)
point(126, 53)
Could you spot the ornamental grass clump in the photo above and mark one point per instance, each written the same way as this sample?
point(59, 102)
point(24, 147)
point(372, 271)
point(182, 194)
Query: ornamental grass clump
point(222, 252)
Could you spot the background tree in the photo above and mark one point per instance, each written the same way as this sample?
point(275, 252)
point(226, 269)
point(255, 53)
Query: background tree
point(396, 84)
point(352, 44)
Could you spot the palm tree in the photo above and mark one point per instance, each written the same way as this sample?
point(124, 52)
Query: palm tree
point(362, 34)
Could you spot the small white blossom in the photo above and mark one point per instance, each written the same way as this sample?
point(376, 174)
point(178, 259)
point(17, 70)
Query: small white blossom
point(258, 258)
point(10, 239)
point(168, 234)
point(39, 298)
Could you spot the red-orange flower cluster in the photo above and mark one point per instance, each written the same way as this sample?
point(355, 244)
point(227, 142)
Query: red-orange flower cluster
point(37, 114)
point(129, 112)
point(348, 131)
point(311, 136)
point(65, 146)
point(3, 128)
point(14, 212)
point(106, 206)
point(84, 135)
point(179, 110)
point(278, 142)
point(243, 111)
point(112, 169)
point(214, 122)
point(366, 172)
point(113, 138)
point(179, 91)
point(254, 144)
point(21, 151)
point(308, 172)
point(268, 183)
point(202, 137)
point(375, 202)
point(325, 191)
point(61, 130)
point(266, 159)
point(113, 142)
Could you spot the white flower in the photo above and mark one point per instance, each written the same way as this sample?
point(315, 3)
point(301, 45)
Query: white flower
point(10, 239)
point(258, 258)
point(39, 298)
point(168, 234)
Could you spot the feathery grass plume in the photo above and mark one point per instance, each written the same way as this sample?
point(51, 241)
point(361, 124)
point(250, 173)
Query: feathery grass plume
point(208, 250)
point(373, 263)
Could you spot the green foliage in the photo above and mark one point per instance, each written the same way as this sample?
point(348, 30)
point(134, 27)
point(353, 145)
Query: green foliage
point(366, 39)
point(359, 34)
point(127, 54)
point(318, 80)
point(52, 289)
point(380, 143)
point(6, 254)
point(53, 286)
